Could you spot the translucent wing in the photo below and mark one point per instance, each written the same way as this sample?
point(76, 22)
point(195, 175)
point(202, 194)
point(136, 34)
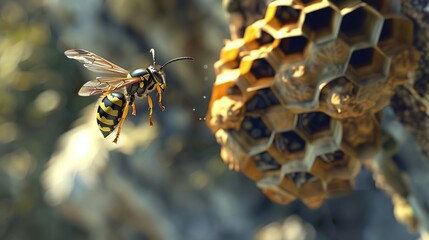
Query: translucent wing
point(94, 62)
point(102, 84)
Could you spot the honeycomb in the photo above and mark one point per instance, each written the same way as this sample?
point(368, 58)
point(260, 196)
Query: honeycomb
point(296, 102)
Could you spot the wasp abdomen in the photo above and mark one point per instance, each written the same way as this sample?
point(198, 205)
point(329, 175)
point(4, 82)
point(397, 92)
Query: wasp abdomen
point(110, 111)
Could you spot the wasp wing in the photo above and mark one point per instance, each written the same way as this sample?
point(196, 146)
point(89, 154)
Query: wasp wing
point(103, 84)
point(94, 62)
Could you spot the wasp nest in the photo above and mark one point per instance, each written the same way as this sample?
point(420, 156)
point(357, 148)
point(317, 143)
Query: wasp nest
point(296, 101)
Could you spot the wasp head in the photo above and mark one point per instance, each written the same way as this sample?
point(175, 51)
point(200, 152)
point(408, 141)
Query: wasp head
point(158, 75)
point(156, 70)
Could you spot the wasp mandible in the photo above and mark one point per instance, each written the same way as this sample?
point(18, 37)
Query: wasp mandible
point(113, 108)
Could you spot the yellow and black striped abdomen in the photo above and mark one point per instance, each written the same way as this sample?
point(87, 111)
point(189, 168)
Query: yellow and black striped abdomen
point(110, 111)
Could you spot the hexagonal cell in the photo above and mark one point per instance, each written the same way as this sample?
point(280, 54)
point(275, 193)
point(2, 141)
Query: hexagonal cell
point(332, 157)
point(333, 55)
point(313, 193)
point(256, 69)
point(308, 187)
point(321, 25)
point(299, 178)
point(293, 48)
point(232, 152)
point(336, 165)
point(403, 66)
point(396, 31)
point(289, 144)
point(264, 38)
point(262, 69)
point(368, 64)
point(280, 15)
point(231, 50)
point(234, 91)
point(229, 56)
point(361, 26)
point(362, 136)
point(279, 119)
point(255, 128)
point(385, 6)
point(272, 186)
point(256, 37)
point(338, 98)
point(226, 112)
point(263, 99)
point(314, 124)
point(224, 81)
point(296, 85)
point(248, 168)
point(265, 162)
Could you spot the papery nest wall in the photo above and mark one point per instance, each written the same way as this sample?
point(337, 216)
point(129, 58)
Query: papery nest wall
point(296, 102)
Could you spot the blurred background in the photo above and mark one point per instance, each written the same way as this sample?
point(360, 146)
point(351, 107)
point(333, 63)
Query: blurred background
point(60, 179)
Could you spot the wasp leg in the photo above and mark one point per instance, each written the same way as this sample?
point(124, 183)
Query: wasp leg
point(159, 93)
point(149, 102)
point(133, 105)
point(124, 116)
point(134, 109)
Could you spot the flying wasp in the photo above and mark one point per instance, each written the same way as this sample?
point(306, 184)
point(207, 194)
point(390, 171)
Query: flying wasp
point(118, 93)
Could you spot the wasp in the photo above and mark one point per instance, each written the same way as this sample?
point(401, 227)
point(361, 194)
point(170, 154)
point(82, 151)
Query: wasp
point(118, 93)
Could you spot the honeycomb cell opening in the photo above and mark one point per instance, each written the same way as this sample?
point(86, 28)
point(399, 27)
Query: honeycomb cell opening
point(229, 56)
point(387, 31)
point(314, 124)
point(262, 100)
point(362, 58)
point(360, 26)
point(289, 142)
point(335, 165)
point(299, 178)
point(265, 162)
point(234, 91)
point(265, 38)
point(333, 157)
point(281, 16)
point(396, 31)
point(293, 46)
point(320, 24)
point(256, 37)
point(261, 68)
point(367, 63)
point(255, 128)
point(336, 95)
point(287, 15)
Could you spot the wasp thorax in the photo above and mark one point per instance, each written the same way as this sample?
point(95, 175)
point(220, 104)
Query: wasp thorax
point(139, 72)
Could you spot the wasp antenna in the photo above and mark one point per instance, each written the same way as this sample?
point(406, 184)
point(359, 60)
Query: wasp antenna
point(176, 59)
point(153, 55)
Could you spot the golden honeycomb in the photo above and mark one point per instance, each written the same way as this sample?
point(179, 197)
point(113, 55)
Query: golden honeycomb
point(296, 102)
